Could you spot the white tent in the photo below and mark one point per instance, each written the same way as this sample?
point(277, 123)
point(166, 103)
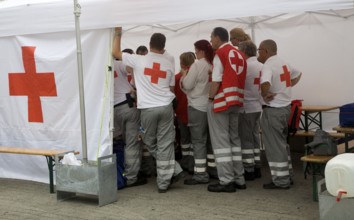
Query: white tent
point(315, 36)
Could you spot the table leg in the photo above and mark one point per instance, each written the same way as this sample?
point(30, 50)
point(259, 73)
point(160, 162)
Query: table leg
point(314, 188)
point(306, 126)
point(306, 121)
point(346, 140)
point(50, 163)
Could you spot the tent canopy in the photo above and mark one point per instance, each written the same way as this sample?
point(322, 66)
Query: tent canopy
point(19, 17)
point(320, 46)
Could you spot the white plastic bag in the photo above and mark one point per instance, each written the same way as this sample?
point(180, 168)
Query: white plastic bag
point(70, 159)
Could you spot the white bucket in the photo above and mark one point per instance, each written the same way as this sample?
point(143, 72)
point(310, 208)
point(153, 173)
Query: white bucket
point(339, 173)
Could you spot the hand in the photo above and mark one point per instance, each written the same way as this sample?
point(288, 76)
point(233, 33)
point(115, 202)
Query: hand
point(269, 97)
point(184, 72)
point(118, 29)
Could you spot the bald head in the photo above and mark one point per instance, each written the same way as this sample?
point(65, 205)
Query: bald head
point(266, 49)
point(270, 46)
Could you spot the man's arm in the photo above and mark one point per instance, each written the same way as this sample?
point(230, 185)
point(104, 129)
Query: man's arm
point(116, 50)
point(172, 88)
point(267, 96)
point(217, 73)
point(214, 87)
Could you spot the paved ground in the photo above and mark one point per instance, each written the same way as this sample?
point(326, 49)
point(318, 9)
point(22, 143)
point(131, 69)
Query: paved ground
point(21, 199)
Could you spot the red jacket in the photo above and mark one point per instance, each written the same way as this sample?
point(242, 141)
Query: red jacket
point(182, 102)
point(231, 90)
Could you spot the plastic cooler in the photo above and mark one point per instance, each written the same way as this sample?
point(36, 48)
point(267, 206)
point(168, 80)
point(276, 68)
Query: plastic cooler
point(339, 173)
point(331, 208)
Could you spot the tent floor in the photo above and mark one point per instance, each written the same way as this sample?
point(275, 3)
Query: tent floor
point(20, 199)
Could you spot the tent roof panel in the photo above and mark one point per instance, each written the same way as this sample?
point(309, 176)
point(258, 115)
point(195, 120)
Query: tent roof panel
point(18, 17)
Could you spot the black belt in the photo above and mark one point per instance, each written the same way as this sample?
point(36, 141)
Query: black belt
point(130, 101)
point(266, 106)
point(121, 103)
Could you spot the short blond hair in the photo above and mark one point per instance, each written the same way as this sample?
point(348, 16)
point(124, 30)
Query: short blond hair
point(239, 34)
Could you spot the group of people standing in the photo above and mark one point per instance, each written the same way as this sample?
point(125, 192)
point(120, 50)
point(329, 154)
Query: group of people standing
point(221, 91)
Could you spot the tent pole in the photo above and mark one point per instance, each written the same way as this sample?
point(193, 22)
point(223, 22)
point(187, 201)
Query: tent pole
point(252, 25)
point(77, 13)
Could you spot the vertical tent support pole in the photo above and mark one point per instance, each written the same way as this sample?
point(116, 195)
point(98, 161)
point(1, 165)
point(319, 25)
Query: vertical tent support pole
point(77, 13)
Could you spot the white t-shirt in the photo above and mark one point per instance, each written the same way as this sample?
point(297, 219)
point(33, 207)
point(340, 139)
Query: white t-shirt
point(196, 84)
point(252, 95)
point(279, 75)
point(153, 76)
point(170, 58)
point(121, 84)
point(218, 68)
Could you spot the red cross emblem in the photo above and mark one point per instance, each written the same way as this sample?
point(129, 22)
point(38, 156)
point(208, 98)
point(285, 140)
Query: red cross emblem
point(257, 80)
point(236, 61)
point(32, 84)
point(285, 76)
point(155, 73)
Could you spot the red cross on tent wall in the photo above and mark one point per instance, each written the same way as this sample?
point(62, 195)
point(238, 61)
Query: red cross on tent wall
point(285, 76)
point(155, 73)
point(32, 84)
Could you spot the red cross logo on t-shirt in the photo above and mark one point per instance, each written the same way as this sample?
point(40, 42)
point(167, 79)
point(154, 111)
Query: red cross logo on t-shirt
point(285, 76)
point(32, 84)
point(236, 60)
point(155, 73)
point(257, 80)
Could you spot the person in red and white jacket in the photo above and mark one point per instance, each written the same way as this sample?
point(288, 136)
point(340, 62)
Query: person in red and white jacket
point(277, 80)
point(226, 97)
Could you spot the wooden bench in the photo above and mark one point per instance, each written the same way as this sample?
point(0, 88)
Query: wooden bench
point(48, 153)
point(317, 165)
point(303, 133)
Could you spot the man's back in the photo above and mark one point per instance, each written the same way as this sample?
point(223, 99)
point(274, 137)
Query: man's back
point(279, 75)
point(153, 75)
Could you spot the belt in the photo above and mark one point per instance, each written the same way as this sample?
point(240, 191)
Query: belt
point(266, 106)
point(121, 103)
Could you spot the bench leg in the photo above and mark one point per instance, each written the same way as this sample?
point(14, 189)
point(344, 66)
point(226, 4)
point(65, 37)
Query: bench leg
point(50, 163)
point(314, 188)
point(317, 170)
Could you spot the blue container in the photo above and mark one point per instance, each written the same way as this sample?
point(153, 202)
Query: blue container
point(346, 115)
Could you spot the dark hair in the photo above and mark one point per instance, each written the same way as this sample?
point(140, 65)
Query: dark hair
point(128, 50)
point(158, 41)
point(141, 49)
point(221, 33)
point(205, 46)
point(248, 48)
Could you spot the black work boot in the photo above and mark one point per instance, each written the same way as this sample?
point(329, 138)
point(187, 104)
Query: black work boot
point(222, 188)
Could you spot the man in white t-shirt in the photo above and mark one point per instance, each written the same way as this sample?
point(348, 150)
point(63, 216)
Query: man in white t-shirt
point(277, 80)
point(155, 81)
point(250, 113)
point(127, 120)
